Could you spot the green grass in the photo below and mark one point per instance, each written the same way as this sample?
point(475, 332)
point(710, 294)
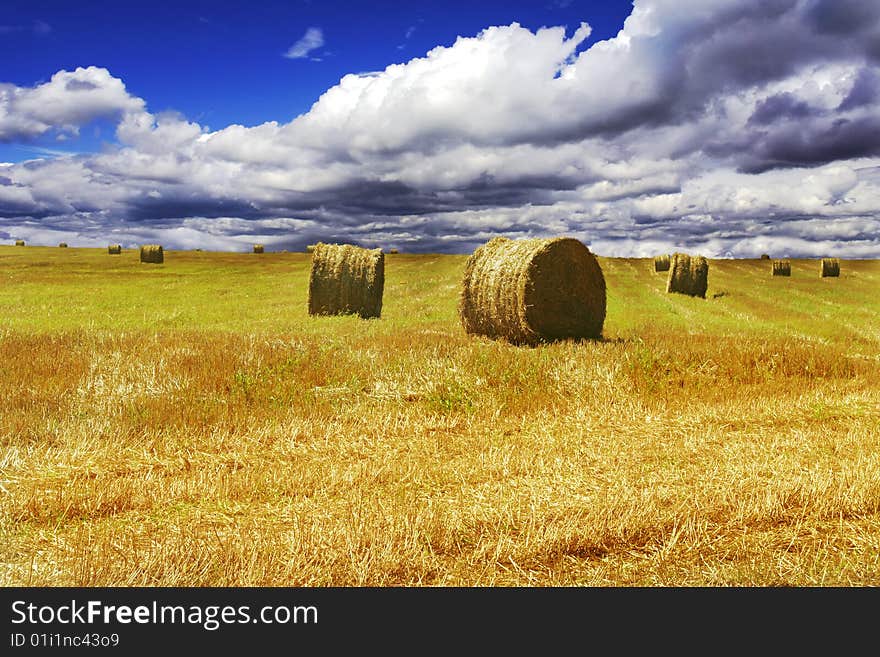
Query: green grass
point(48, 290)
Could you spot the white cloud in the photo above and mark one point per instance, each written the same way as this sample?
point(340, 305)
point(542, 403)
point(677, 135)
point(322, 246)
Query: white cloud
point(311, 40)
point(69, 100)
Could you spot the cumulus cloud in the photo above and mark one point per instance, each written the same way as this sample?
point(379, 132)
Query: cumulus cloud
point(727, 127)
point(311, 40)
point(69, 100)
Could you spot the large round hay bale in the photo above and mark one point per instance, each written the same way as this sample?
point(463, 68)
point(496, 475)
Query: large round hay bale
point(781, 268)
point(19, 242)
point(829, 267)
point(661, 263)
point(765, 256)
point(114, 249)
point(688, 275)
point(392, 251)
point(258, 248)
point(346, 280)
point(529, 291)
point(310, 248)
point(62, 245)
point(152, 253)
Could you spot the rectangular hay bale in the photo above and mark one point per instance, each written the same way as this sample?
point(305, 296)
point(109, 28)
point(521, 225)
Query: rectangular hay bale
point(152, 253)
point(346, 280)
point(829, 267)
point(781, 268)
point(688, 275)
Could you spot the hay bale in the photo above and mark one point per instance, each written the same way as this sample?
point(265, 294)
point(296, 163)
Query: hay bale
point(529, 291)
point(829, 267)
point(346, 280)
point(688, 275)
point(310, 248)
point(114, 249)
point(781, 268)
point(258, 248)
point(661, 263)
point(19, 242)
point(152, 253)
point(62, 245)
point(392, 251)
point(765, 256)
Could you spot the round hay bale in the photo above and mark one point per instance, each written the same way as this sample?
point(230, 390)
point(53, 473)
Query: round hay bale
point(258, 248)
point(152, 253)
point(346, 280)
point(661, 263)
point(392, 251)
point(62, 245)
point(688, 275)
point(530, 291)
point(765, 256)
point(781, 268)
point(310, 248)
point(829, 267)
point(114, 249)
point(19, 242)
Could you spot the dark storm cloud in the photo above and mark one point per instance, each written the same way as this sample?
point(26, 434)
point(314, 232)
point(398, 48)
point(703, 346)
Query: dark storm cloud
point(781, 106)
point(842, 17)
point(865, 90)
point(795, 146)
point(167, 211)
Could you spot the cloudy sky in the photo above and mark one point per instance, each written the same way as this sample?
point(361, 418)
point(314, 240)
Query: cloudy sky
point(727, 128)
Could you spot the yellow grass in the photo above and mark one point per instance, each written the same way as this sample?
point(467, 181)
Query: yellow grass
point(732, 440)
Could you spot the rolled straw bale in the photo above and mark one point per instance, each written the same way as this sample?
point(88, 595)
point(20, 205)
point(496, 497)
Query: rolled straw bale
point(114, 249)
point(392, 251)
point(152, 253)
point(346, 280)
point(661, 263)
point(310, 248)
point(258, 248)
point(765, 256)
point(528, 291)
point(829, 267)
point(688, 275)
point(62, 245)
point(19, 242)
point(781, 268)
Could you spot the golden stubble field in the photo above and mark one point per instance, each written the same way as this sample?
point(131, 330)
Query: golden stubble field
point(188, 424)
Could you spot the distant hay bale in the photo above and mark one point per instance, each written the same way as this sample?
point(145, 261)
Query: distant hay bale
point(258, 248)
point(346, 280)
point(661, 263)
point(114, 249)
point(529, 291)
point(392, 251)
point(62, 245)
point(19, 242)
point(781, 268)
point(765, 256)
point(152, 253)
point(829, 267)
point(310, 248)
point(688, 275)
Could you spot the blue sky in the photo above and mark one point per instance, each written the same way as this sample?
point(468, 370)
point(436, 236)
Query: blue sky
point(727, 128)
point(222, 63)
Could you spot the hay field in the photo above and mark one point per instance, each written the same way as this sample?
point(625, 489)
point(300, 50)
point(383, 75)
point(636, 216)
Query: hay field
point(190, 424)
